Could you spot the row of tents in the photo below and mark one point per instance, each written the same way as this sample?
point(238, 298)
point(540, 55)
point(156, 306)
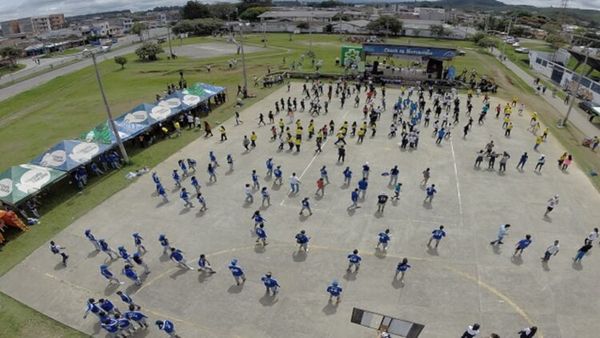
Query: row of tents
point(19, 183)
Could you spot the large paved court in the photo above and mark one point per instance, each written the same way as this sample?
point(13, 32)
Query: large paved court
point(464, 281)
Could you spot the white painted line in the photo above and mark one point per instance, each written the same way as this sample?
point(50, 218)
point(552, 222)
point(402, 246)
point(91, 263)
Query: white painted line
point(460, 210)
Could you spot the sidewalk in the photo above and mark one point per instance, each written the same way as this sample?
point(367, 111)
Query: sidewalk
point(578, 118)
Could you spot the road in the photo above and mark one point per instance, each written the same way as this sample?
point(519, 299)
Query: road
point(28, 84)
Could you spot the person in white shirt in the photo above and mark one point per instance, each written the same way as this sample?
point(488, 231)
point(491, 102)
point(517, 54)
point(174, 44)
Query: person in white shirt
point(592, 237)
point(552, 250)
point(502, 231)
point(471, 332)
point(294, 183)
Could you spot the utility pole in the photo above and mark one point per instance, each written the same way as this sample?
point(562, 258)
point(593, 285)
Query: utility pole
point(264, 29)
point(309, 35)
point(245, 89)
point(507, 34)
point(563, 122)
point(111, 122)
point(169, 39)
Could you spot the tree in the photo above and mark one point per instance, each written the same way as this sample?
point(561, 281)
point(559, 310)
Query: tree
point(195, 10)
point(342, 17)
point(138, 28)
point(439, 31)
point(385, 23)
point(149, 51)
point(303, 25)
point(487, 42)
point(121, 60)
point(204, 26)
point(245, 4)
point(11, 54)
point(252, 13)
point(223, 11)
point(556, 40)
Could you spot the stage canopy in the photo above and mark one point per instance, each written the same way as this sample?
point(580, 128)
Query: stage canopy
point(19, 182)
point(410, 51)
point(69, 154)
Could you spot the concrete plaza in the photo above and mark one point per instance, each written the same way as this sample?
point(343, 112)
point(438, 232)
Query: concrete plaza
point(464, 281)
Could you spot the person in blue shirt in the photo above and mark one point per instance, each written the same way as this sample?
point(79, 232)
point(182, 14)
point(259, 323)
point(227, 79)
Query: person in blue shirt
point(401, 269)
point(213, 159)
point(237, 271)
point(130, 273)
point(354, 198)
point(106, 273)
point(278, 175)
point(183, 167)
point(302, 240)
point(91, 306)
point(522, 245)
point(111, 326)
point(137, 258)
point(124, 254)
point(440, 135)
point(347, 176)
point(191, 163)
point(92, 239)
point(258, 219)
point(397, 189)
point(185, 197)
point(162, 192)
point(176, 178)
point(137, 240)
point(270, 283)
point(437, 235)
point(383, 239)
point(136, 316)
point(104, 247)
point(266, 196)
point(324, 174)
point(366, 170)
point(95, 169)
point(155, 178)
point(430, 193)
point(354, 261)
point(195, 184)
point(363, 184)
point(125, 327)
point(164, 242)
point(128, 300)
point(177, 257)
point(204, 265)
point(201, 201)
point(261, 235)
point(108, 307)
point(305, 206)
point(255, 183)
point(394, 175)
point(269, 165)
point(334, 290)
point(167, 326)
point(230, 162)
point(212, 173)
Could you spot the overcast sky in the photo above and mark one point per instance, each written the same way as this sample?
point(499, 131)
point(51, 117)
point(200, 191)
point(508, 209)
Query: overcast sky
point(12, 9)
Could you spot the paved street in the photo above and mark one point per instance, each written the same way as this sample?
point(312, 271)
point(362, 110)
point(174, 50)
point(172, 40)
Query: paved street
point(464, 281)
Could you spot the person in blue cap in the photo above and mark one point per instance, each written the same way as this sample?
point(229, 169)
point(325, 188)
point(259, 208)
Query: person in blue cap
point(383, 239)
point(195, 184)
point(185, 197)
point(104, 247)
point(128, 300)
point(269, 165)
point(437, 235)
point(302, 239)
point(130, 273)
point(92, 239)
point(261, 235)
point(108, 274)
point(177, 257)
point(137, 240)
point(354, 261)
point(270, 283)
point(136, 316)
point(347, 176)
point(354, 198)
point(164, 242)
point(401, 269)
point(237, 272)
point(176, 178)
point(167, 326)
point(334, 290)
point(124, 254)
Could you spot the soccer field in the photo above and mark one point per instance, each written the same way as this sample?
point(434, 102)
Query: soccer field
point(464, 281)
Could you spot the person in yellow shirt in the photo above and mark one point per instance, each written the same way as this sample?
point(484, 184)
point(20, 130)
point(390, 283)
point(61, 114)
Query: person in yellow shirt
point(506, 121)
point(361, 134)
point(298, 142)
point(177, 128)
point(223, 133)
point(281, 125)
point(538, 141)
point(514, 101)
point(545, 134)
point(509, 127)
point(253, 138)
point(311, 129)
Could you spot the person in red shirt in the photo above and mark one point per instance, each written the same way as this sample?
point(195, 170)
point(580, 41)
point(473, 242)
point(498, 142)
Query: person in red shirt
point(320, 187)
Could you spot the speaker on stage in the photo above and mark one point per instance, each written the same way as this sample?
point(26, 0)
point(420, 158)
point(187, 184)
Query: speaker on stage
point(375, 66)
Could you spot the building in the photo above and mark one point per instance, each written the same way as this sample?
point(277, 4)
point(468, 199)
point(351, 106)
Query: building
point(33, 25)
point(299, 15)
point(433, 14)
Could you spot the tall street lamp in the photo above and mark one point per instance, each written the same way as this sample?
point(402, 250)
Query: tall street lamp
point(242, 24)
point(111, 122)
point(562, 123)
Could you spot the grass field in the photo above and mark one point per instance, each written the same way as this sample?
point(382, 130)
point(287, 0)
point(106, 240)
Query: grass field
point(8, 70)
point(65, 107)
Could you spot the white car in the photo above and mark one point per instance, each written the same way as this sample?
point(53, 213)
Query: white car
point(522, 50)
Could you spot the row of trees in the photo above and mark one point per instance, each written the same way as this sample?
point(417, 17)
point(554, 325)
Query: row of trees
point(245, 10)
point(10, 54)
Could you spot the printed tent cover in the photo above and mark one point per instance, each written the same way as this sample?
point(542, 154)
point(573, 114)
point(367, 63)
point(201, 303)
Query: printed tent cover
point(203, 90)
point(183, 101)
point(137, 120)
point(69, 154)
point(19, 182)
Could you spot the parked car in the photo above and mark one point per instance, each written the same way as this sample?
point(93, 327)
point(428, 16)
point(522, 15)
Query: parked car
point(522, 50)
point(593, 109)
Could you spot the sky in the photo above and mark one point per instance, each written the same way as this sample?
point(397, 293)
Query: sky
point(12, 9)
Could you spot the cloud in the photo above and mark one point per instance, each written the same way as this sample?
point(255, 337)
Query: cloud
point(587, 4)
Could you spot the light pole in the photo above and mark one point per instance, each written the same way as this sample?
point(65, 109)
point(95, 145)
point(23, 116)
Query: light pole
point(111, 122)
point(169, 39)
point(245, 91)
point(264, 29)
point(563, 122)
point(309, 36)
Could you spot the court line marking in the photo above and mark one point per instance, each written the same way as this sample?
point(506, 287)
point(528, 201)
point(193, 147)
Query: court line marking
point(460, 209)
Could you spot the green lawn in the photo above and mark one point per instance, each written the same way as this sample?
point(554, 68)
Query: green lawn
point(8, 70)
point(63, 108)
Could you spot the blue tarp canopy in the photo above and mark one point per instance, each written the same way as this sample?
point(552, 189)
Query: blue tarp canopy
point(137, 120)
point(203, 90)
point(70, 154)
